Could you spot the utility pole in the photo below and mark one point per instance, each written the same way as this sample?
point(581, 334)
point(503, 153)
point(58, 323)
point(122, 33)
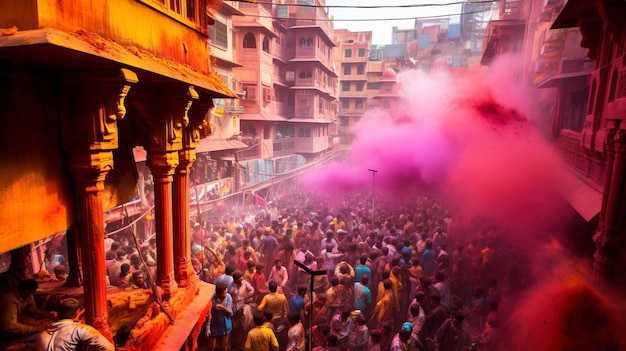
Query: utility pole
point(373, 183)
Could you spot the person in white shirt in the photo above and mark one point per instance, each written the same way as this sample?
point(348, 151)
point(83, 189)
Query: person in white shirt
point(279, 274)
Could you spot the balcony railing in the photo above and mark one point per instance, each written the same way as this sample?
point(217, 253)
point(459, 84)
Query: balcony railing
point(249, 153)
point(579, 159)
point(283, 147)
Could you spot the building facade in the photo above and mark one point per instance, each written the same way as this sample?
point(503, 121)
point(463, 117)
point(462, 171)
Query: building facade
point(574, 52)
point(352, 57)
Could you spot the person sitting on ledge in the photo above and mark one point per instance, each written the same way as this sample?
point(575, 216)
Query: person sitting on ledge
point(66, 334)
point(15, 309)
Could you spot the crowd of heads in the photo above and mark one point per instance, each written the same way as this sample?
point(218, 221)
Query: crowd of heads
point(406, 268)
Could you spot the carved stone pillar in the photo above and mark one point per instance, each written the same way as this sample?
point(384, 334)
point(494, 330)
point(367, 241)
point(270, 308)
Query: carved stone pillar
point(162, 165)
point(92, 102)
point(610, 238)
point(89, 171)
point(182, 242)
point(182, 232)
point(166, 138)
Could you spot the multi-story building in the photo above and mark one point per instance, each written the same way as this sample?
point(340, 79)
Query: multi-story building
point(597, 152)
point(587, 109)
point(83, 83)
point(289, 87)
point(352, 55)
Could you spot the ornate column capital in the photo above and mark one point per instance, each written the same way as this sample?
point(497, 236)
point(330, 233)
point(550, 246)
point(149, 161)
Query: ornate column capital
point(170, 120)
point(198, 127)
point(89, 169)
point(162, 164)
point(91, 112)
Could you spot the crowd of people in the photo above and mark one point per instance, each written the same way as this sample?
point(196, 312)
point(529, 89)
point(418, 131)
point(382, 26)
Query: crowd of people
point(404, 282)
point(406, 278)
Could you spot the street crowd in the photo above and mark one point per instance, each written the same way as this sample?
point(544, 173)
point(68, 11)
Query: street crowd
point(401, 279)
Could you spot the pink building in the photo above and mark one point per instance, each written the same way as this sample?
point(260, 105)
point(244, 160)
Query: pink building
point(288, 80)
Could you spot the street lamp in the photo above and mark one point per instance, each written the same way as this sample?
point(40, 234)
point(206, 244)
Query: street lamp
point(373, 181)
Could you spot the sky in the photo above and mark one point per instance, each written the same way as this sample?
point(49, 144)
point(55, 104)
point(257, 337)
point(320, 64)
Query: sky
point(381, 20)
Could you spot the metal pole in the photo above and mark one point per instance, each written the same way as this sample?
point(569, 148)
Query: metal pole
point(373, 182)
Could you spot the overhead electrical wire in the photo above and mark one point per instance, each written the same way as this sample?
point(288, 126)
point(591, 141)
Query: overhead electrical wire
point(368, 19)
point(370, 6)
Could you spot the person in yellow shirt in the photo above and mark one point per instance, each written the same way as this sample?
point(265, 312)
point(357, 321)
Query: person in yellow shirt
point(261, 338)
point(396, 287)
point(275, 302)
point(384, 307)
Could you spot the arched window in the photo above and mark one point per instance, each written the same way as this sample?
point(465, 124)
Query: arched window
point(302, 75)
point(249, 41)
point(309, 74)
point(266, 45)
point(309, 41)
point(303, 41)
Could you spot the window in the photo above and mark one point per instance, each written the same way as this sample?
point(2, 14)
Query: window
point(348, 53)
point(218, 34)
point(360, 69)
point(347, 70)
point(175, 6)
point(361, 52)
point(302, 41)
point(359, 86)
point(309, 41)
point(358, 104)
point(266, 132)
point(373, 86)
point(266, 45)
point(345, 103)
point(184, 11)
point(249, 41)
point(250, 92)
point(345, 86)
point(344, 121)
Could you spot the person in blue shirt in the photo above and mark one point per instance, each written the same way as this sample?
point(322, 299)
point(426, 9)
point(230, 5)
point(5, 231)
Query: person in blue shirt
point(219, 323)
point(227, 277)
point(428, 260)
point(297, 302)
point(361, 269)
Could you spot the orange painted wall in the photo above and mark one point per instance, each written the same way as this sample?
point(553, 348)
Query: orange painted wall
point(35, 193)
point(127, 22)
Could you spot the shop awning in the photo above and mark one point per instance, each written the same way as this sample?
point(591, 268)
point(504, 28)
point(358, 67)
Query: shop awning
point(205, 145)
point(582, 197)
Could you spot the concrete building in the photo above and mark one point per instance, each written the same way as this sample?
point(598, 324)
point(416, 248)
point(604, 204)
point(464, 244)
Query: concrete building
point(290, 87)
point(352, 57)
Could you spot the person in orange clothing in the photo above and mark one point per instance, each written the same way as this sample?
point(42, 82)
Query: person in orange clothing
point(384, 307)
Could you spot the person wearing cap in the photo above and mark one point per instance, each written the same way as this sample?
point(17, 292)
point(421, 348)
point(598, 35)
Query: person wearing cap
point(68, 335)
point(404, 340)
point(15, 305)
